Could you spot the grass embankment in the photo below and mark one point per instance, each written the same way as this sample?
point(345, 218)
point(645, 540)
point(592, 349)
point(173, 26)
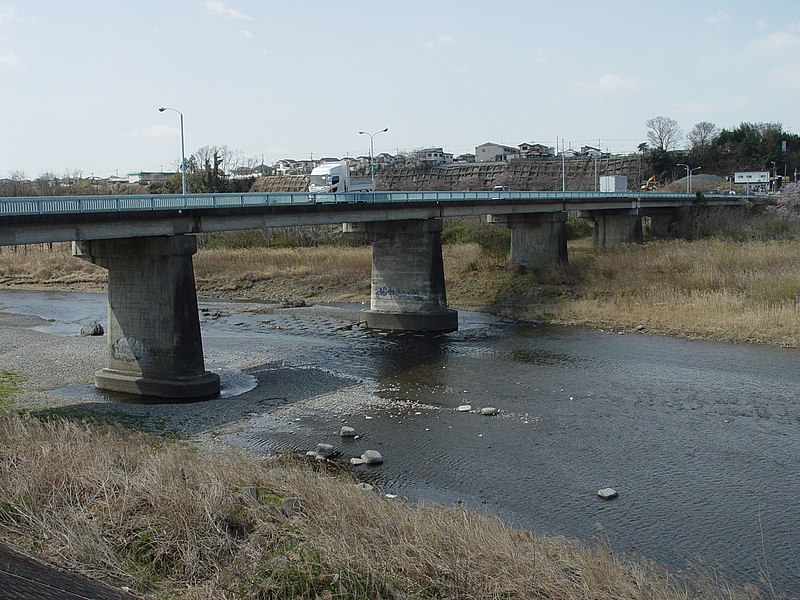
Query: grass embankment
point(734, 290)
point(160, 518)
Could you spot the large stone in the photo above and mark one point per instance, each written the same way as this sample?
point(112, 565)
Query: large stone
point(93, 328)
point(607, 493)
point(372, 457)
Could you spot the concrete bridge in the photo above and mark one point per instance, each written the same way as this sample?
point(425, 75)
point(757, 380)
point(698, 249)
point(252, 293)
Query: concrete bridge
point(146, 244)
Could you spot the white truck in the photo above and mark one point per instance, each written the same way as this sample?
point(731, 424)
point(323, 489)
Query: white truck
point(334, 177)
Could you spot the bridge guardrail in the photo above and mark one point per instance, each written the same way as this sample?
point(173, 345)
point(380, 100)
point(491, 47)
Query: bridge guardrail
point(49, 205)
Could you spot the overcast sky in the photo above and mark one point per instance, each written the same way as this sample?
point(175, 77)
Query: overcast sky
point(82, 79)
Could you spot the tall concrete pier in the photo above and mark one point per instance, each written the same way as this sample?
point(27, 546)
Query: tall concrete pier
point(537, 239)
point(615, 227)
point(407, 291)
point(154, 345)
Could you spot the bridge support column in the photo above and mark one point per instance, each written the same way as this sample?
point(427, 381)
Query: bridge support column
point(154, 345)
point(661, 222)
point(537, 239)
point(408, 291)
point(615, 227)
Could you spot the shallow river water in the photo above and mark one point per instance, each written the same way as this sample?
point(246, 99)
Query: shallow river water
point(700, 439)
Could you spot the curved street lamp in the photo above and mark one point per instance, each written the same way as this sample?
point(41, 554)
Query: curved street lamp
point(689, 172)
point(372, 151)
point(183, 154)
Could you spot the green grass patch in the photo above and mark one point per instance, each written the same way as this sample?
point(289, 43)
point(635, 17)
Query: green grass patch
point(9, 386)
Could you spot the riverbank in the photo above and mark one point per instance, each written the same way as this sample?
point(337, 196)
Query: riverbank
point(182, 514)
point(740, 291)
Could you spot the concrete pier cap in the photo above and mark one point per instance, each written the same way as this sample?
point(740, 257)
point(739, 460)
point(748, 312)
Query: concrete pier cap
point(407, 288)
point(154, 344)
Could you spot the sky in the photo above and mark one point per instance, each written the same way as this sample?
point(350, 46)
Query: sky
point(81, 81)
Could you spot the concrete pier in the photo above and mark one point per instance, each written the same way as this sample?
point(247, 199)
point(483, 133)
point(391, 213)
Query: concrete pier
point(537, 239)
point(615, 227)
point(154, 345)
point(407, 291)
point(662, 221)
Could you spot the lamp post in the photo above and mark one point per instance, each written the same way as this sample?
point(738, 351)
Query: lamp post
point(689, 172)
point(690, 177)
point(372, 150)
point(183, 153)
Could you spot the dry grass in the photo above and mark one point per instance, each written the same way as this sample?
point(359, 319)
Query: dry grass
point(741, 291)
point(734, 290)
point(135, 510)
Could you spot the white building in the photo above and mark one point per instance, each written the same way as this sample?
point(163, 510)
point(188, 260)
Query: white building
point(491, 152)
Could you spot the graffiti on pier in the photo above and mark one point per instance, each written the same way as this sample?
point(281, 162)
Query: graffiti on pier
point(387, 292)
point(129, 349)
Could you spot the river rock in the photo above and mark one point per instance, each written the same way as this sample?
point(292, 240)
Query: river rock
point(347, 432)
point(607, 493)
point(93, 328)
point(464, 408)
point(489, 411)
point(324, 450)
point(372, 457)
point(357, 460)
point(365, 486)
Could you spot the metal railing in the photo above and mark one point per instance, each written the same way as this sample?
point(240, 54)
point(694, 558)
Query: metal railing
point(50, 205)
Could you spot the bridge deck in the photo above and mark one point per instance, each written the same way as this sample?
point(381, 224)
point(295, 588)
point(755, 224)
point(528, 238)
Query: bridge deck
point(66, 218)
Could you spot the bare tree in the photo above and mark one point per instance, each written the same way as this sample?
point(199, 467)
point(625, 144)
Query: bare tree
point(701, 135)
point(664, 133)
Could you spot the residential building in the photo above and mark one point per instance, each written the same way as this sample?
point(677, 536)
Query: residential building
point(148, 177)
point(435, 156)
point(491, 152)
point(533, 150)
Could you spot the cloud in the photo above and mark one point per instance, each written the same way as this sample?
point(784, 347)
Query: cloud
point(719, 18)
point(694, 106)
point(155, 132)
point(9, 60)
point(247, 34)
point(742, 101)
point(780, 41)
point(7, 13)
point(611, 83)
point(441, 40)
point(538, 57)
point(220, 7)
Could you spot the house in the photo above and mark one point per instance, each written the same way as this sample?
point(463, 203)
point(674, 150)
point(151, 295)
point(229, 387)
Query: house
point(491, 152)
point(148, 177)
point(384, 160)
point(464, 158)
point(435, 156)
point(591, 151)
point(532, 150)
point(286, 166)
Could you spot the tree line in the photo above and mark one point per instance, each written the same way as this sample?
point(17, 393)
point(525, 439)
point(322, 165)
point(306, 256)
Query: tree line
point(748, 147)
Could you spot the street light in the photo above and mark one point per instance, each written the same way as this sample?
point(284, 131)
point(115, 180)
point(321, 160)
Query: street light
point(689, 172)
point(372, 150)
point(183, 153)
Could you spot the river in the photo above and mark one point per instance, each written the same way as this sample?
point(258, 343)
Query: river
point(701, 439)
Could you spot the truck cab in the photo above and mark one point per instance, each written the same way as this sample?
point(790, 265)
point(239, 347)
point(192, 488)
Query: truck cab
point(329, 178)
